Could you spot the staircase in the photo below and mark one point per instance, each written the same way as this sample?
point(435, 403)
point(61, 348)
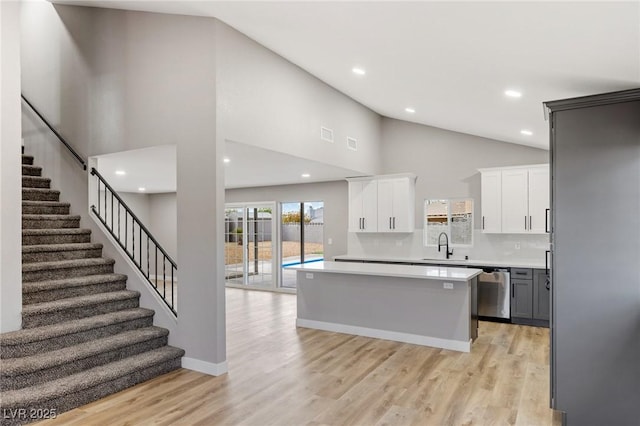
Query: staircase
point(84, 335)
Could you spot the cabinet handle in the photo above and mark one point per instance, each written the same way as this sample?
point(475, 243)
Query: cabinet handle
point(394, 222)
point(546, 220)
point(361, 226)
point(364, 226)
point(390, 223)
point(530, 223)
point(483, 222)
point(546, 261)
point(525, 223)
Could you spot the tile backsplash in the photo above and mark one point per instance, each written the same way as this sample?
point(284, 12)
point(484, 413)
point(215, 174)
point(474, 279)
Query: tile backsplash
point(499, 247)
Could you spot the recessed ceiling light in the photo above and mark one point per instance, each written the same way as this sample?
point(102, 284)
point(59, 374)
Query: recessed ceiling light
point(358, 71)
point(513, 93)
point(226, 160)
point(306, 175)
point(121, 172)
point(410, 110)
point(526, 132)
point(142, 189)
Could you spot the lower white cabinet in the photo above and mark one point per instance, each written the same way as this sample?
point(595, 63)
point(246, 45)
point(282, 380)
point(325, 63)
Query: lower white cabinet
point(382, 203)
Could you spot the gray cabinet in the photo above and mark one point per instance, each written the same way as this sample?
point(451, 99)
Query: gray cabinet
point(529, 297)
point(541, 295)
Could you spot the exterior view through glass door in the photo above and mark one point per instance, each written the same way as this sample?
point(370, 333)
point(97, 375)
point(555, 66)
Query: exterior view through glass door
point(301, 236)
point(249, 254)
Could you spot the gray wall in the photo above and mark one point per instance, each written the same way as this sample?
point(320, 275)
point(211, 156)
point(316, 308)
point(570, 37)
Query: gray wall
point(333, 194)
point(595, 273)
point(112, 80)
point(10, 128)
point(163, 221)
point(267, 101)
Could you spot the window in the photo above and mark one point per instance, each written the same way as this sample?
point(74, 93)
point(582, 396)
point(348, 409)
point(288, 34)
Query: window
point(454, 217)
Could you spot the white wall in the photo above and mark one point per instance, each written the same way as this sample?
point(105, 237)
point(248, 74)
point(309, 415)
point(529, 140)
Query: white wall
point(267, 101)
point(333, 194)
point(10, 169)
point(163, 221)
point(113, 80)
point(447, 164)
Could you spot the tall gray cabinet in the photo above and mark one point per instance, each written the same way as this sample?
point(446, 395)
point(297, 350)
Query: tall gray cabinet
point(595, 258)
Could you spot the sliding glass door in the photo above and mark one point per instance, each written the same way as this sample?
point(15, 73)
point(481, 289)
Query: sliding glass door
point(249, 246)
point(301, 237)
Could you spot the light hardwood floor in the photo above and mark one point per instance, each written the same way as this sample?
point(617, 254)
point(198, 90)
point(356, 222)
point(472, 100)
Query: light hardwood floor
point(280, 375)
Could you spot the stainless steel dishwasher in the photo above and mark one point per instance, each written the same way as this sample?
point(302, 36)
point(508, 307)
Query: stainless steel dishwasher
point(494, 294)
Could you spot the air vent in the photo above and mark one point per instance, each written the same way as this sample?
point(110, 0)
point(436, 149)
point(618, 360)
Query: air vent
point(352, 144)
point(326, 134)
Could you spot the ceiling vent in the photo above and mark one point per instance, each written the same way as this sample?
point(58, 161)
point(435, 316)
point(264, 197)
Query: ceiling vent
point(352, 144)
point(326, 134)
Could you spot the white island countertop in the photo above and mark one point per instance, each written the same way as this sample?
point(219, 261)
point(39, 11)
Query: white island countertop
point(520, 263)
point(380, 269)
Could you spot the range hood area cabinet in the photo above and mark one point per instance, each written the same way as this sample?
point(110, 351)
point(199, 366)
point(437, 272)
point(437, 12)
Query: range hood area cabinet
point(515, 200)
point(384, 204)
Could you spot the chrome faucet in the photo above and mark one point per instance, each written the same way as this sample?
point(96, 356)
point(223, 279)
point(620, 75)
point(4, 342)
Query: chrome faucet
point(446, 244)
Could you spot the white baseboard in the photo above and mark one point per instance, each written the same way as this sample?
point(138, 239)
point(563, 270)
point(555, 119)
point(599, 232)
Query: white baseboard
point(204, 366)
point(416, 339)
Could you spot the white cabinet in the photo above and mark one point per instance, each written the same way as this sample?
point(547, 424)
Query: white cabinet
point(396, 198)
point(491, 201)
point(515, 199)
point(363, 206)
point(382, 203)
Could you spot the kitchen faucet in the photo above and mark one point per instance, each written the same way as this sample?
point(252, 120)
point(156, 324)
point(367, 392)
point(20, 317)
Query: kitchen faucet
point(446, 244)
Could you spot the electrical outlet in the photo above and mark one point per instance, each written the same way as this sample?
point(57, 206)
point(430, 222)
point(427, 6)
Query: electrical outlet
point(517, 246)
point(448, 286)
point(309, 276)
point(329, 241)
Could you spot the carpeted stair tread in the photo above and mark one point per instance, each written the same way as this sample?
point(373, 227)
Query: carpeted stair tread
point(54, 252)
point(45, 360)
point(41, 248)
point(36, 182)
point(27, 159)
point(65, 264)
point(45, 207)
point(30, 335)
point(40, 194)
point(89, 378)
point(76, 302)
point(30, 170)
point(36, 286)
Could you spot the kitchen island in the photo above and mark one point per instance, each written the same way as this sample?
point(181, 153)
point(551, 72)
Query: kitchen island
point(424, 305)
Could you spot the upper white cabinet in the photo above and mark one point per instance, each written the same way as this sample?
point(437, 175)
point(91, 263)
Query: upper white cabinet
point(491, 201)
point(363, 206)
point(515, 199)
point(382, 203)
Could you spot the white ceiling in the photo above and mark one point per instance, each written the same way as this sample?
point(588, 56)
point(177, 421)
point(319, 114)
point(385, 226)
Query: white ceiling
point(450, 61)
point(155, 168)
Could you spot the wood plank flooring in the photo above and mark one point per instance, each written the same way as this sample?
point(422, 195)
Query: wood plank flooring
point(282, 375)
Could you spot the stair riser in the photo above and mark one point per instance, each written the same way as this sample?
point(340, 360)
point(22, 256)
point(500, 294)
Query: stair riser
point(65, 293)
point(34, 182)
point(50, 223)
point(52, 256)
point(29, 240)
point(27, 159)
point(37, 320)
point(40, 195)
point(28, 349)
point(31, 170)
point(55, 274)
point(30, 209)
point(72, 400)
point(59, 371)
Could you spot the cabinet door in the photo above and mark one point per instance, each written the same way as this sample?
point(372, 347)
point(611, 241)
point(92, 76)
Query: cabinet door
point(403, 218)
point(385, 205)
point(491, 202)
point(515, 211)
point(355, 206)
point(538, 198)
point(541, 295)
point(370, 206)
point(521, 298)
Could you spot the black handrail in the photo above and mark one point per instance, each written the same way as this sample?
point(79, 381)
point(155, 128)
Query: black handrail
point(136, 256)
point(55, 132)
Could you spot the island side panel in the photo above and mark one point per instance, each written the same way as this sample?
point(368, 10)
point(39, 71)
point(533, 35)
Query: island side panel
point(415, 307)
